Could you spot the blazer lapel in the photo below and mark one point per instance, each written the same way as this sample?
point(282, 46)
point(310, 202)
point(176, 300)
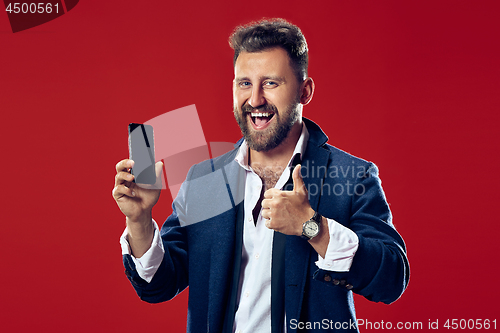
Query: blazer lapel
point(297, 259)
point(314, 163)
point(299, 253)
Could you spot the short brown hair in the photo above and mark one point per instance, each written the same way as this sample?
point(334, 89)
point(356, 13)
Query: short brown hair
point(270, 33)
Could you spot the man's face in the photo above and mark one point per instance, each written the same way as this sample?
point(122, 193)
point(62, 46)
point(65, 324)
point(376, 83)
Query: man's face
point(266, 97)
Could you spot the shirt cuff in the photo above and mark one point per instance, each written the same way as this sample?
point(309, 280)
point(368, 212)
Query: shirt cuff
point(148, 264)
point(341, 249)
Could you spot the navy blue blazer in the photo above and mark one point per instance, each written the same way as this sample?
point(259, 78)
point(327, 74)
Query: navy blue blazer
point(199, 240)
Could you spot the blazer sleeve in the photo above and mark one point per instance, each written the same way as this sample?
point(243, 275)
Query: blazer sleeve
point(380, 269)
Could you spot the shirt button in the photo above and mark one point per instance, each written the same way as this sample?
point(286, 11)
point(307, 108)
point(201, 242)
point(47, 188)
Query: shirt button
point(247, 294)
point(250, 219)
point(257, 256)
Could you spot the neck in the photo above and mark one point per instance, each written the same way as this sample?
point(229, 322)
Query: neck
point(281, 155)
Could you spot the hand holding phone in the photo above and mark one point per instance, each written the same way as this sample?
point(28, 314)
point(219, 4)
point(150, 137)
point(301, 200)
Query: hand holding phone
point(136, 203)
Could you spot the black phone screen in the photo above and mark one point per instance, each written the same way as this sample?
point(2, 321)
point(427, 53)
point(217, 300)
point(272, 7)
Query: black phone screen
point(141, 150)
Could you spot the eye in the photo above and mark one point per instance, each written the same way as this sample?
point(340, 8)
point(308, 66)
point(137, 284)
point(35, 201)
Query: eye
point(270, 84)
point(244, 84)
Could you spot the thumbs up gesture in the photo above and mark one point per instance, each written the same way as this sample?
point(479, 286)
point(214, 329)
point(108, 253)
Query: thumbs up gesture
point(286, 211)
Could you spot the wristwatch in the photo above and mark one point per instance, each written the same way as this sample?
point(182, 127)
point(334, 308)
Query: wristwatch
point(310, 229)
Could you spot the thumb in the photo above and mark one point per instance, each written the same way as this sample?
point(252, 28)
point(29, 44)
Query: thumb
point(298, 182)
point(158, 168)
point(158, 172)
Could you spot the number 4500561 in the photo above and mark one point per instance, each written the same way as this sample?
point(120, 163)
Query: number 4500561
point(32, 8)
point(470, 324)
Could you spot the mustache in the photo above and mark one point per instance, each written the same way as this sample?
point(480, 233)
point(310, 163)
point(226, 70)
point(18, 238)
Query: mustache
point(263, 108)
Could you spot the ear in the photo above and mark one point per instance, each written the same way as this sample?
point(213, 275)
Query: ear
point(307, 91)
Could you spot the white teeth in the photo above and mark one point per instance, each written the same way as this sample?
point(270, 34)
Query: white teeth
point(261, 114)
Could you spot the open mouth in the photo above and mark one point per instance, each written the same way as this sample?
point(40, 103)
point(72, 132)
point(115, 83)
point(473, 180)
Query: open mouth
point(260, 120)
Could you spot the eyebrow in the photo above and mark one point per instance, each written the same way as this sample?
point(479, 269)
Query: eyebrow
point(262, 78)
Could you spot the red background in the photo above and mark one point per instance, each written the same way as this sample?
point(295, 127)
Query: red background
point(412, 86)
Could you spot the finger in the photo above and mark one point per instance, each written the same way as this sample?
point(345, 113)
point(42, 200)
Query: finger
point(266, 214)
point(124, 165)
point(266, 204)
point(123, 178)
point(271, 193)
point(158, 169)
point(158, 172)
point(121, 191)
point(298, 182)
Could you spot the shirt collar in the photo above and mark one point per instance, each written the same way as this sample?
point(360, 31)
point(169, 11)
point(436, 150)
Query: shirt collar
point(300, 148)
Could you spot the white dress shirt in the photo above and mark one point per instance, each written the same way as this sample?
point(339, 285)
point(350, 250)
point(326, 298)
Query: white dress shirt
point(254, 299)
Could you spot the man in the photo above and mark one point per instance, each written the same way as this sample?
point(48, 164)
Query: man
point(276, 234)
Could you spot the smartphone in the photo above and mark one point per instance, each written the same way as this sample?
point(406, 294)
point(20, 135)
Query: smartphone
point(141, 150)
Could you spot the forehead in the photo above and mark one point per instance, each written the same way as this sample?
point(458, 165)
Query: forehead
point(270, 62)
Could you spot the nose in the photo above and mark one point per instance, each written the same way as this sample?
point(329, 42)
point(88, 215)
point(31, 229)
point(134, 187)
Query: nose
point(257, 98)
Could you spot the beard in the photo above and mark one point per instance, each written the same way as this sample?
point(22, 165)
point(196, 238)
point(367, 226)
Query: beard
point(271, 137)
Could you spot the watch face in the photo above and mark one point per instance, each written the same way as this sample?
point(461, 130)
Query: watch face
point(311, 228)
